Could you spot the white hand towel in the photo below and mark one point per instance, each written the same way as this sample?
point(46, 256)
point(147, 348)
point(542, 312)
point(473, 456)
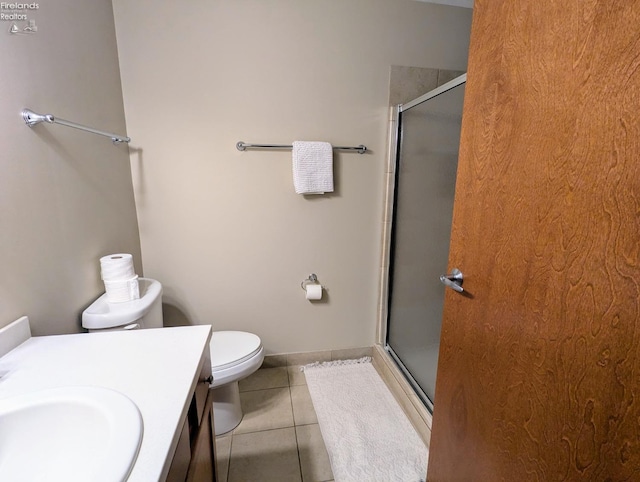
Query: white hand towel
point(312, 167)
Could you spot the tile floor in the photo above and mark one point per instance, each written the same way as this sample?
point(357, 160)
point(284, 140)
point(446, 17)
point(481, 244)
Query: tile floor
point(278, 439)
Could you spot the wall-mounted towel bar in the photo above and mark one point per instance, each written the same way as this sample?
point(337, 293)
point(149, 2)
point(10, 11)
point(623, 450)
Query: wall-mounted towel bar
point(241, 146)
point(31, 119)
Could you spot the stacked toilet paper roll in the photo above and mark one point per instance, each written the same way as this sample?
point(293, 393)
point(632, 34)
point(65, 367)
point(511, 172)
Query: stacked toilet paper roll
point(119, 277)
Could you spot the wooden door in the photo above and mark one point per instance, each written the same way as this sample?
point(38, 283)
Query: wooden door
point(539, 369)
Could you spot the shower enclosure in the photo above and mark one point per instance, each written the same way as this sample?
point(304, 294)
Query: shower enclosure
point(428, 136)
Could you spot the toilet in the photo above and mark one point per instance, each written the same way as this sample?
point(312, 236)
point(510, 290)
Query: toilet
point(234, 354)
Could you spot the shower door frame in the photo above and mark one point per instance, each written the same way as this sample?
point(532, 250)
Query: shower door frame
point(396, 140)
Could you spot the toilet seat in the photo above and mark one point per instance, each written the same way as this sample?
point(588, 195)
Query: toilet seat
point(234, 355)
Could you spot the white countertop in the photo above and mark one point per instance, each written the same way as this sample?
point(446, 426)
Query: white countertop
point(156, 368)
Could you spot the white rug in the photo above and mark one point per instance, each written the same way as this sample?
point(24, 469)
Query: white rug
point(367, 435)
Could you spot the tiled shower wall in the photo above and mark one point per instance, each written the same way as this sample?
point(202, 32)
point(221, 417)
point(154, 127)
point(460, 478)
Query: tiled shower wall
point(408, 83)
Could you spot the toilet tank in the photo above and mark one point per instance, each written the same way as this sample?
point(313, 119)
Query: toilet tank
point(145, 312)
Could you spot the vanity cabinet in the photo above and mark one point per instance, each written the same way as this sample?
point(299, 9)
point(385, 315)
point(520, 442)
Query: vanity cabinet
point(194, 458)
point(203, 466)
point(164, 372)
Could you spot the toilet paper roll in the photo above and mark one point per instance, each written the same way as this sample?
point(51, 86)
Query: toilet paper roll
point(117, 267)
point(121, 291)
point(314, 292)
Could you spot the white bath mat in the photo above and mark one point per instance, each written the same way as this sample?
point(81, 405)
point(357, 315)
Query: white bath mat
point(367, 435)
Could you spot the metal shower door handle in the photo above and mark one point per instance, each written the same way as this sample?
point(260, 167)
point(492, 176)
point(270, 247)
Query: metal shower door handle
point(453, 280)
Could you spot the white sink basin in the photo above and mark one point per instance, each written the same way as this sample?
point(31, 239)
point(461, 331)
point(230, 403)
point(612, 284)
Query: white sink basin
point(69, 434)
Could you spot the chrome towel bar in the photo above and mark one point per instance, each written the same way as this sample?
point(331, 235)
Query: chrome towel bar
point(31, 119)
point(241, 146)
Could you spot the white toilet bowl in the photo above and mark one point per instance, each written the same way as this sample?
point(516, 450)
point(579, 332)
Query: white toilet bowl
point(234, 355)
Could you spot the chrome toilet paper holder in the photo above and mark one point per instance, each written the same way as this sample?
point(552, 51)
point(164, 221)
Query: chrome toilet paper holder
point(312, 279)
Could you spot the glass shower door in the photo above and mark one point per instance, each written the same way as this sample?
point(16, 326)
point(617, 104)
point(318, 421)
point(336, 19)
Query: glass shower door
point(426, 165)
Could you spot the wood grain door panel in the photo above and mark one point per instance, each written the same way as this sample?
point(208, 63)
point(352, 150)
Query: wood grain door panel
point(539, 367)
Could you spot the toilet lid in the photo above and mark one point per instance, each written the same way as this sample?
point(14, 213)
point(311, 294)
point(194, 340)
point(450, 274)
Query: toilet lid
point(232, 347)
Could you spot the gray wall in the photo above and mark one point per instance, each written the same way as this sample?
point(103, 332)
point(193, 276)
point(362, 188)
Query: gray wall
point(66, 196)
point(223, 230)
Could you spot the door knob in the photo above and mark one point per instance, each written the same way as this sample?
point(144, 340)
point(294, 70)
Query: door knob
point(453, 280)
